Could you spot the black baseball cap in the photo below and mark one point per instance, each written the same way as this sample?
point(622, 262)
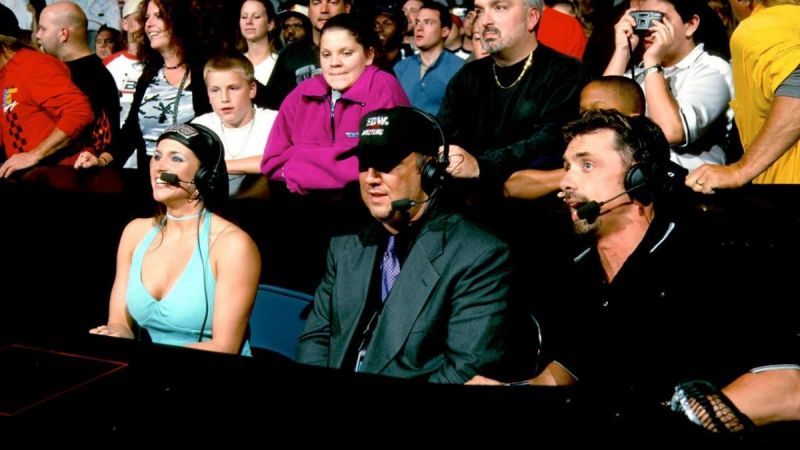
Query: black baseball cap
point(203, 142)
point(387, 136)
point(393, 11)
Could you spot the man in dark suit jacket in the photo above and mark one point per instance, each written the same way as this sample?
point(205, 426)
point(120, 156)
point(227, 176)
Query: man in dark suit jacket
point(446, 316)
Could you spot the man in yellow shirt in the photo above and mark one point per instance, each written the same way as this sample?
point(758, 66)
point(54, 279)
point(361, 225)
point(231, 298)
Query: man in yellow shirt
point(765, 51)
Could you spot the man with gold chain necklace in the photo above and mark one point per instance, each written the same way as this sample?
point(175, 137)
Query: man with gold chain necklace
point(503, 114)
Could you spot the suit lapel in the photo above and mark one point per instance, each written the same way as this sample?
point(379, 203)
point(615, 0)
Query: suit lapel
point(354, 275)
point(408, 297)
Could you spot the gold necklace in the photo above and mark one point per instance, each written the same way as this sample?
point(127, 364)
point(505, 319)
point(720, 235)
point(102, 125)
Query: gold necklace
point(228, 150)
point(524, 69)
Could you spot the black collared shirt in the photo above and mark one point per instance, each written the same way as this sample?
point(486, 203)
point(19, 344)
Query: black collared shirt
point(682, 307)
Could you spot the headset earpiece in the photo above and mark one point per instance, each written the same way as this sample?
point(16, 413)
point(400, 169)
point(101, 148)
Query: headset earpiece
point(650, 156)
point(433, 174)
point(434, 171)
point(212, 182)
point(637, 176)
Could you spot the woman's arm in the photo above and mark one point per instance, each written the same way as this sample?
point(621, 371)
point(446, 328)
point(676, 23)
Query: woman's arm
point(119, 321)
point(767, 397)
point(237, 264)
point(245, 165)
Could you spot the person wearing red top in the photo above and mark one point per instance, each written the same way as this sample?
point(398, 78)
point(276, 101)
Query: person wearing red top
point(561, 31)
point(43, 111)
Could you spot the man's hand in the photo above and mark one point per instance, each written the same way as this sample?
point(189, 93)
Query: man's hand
point(86, 160)
point(479, 380)
point(663, 35)
point(462, 164)
point(19, 161)
point(624, 34)
point(709, 177)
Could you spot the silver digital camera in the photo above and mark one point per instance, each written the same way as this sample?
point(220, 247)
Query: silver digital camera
point(644, 19)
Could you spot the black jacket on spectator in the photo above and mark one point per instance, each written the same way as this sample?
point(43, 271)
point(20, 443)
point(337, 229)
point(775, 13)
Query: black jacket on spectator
point(297, 62)
point(95, 81)
point(517, 128)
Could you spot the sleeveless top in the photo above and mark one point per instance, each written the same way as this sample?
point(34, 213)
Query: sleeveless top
point(176, 319)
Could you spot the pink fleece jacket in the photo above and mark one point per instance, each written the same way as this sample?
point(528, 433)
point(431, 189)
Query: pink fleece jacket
point(308, 136)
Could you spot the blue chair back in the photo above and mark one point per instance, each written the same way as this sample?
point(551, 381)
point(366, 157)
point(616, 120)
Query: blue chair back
point(278, 318)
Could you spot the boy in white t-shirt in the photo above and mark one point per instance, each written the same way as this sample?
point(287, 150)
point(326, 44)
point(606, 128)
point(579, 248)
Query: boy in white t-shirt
point(242, 127)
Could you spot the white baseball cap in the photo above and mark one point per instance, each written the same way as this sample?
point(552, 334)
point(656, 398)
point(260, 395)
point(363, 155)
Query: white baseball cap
point(131, 7)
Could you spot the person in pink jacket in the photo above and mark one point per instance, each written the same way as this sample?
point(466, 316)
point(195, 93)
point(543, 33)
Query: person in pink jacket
point(319, 119)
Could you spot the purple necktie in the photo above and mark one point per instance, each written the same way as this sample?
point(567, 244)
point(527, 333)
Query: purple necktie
point(390, 268)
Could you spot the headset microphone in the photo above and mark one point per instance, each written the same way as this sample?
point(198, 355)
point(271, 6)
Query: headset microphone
point(404, 204)
point(171, 178)
point(591, 210)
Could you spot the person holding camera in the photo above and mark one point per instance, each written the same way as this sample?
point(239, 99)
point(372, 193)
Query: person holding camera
point(687, 88)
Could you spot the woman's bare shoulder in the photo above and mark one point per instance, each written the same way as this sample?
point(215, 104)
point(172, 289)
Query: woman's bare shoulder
point(228, 236)
point(137, 229)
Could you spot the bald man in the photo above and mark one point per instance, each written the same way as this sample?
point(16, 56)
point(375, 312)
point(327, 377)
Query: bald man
point(63, 34)
point(608, 92)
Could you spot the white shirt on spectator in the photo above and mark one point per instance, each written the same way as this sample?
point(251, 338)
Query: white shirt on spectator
point(20, 9)
point(98, 12)
point(264, 69)
point(126, 70)
point(243, 142)
point(702, 85)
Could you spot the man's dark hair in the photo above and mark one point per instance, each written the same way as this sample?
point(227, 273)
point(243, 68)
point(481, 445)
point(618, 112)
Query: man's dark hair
point(711, 30)
point(625, 140)
point(284, 16)
point(116, 35)
point(641, 142)
point(395, 14)
point(444, 14)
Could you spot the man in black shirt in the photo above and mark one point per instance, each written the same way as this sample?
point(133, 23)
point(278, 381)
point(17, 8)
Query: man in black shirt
point(653, 302)
point(504, 113)
point(421, 293)
point(62, 33)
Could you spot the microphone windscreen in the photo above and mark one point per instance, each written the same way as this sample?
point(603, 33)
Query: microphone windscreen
point(167, 177)
point(589, 211)
point(403, 204)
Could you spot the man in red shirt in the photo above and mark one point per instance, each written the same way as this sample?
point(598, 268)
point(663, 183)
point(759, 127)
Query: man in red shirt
point(43, 111)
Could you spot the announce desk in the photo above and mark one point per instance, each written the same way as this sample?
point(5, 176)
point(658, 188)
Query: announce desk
point(95, 388)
